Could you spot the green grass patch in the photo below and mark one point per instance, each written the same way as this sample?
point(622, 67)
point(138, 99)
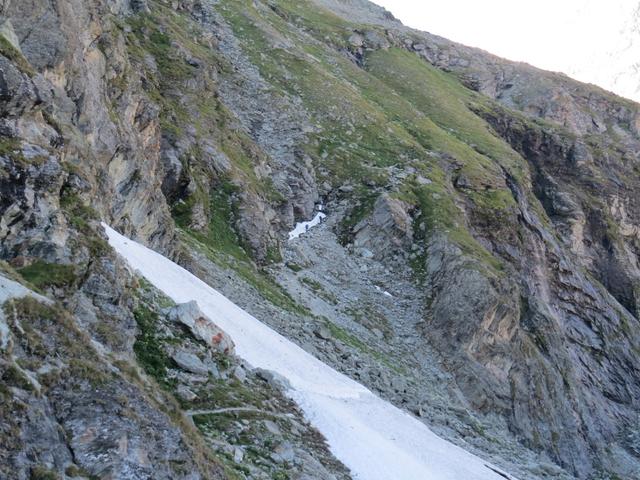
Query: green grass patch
point(220, 235)
point(148, 347)
point(13, 376)
point(347, 338)
point(365, 199)
point(75, 471)
point(80, 216)
point(12, 274)
point(159, 298)
point(319, 290)
point(268, 288)
point(441, 98)
point(47, 331)
point(10, 147)
point(151, 37)
point(222, 245)
point(43, 473)
point(439, 213)
point(42, 274)
point(316, 20)
point(294, 267)
point(12, 53)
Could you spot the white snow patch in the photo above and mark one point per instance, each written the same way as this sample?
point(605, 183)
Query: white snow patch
point(374, 439)
point(384, 292)
point(302, 227)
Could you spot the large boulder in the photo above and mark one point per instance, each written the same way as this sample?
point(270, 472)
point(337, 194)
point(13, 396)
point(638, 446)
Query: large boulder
point(202, 327)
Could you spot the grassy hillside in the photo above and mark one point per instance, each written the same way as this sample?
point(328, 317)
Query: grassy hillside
point(390, 113)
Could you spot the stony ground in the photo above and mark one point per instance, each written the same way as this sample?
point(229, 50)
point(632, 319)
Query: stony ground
point(360, 317)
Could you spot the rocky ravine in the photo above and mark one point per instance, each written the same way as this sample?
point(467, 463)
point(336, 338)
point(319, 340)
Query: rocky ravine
point(493, 202)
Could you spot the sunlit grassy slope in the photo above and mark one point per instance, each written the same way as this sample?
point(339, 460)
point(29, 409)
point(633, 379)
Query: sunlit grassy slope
point(392, 109)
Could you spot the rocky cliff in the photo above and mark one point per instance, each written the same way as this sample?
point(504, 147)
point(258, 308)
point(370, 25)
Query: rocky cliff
point(478, 266)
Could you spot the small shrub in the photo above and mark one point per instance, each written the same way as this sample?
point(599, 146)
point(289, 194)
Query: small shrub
point(294, 267)
point(14, 377)
point(89, 370)
point(9, 146)
point(42, 473)
point(148, 348)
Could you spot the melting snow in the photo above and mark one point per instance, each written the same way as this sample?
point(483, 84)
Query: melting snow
point(304, 226)
point(374, 439)
point(384, 292)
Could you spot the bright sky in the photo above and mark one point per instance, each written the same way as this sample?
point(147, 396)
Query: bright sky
point(587, 39)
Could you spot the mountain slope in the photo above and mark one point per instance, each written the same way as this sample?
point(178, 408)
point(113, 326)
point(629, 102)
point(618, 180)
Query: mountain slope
point(346, 413)
point(478, 265)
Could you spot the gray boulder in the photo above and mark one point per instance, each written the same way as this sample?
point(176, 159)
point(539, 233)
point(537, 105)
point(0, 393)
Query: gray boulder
point(189, 362)
point(202, 327)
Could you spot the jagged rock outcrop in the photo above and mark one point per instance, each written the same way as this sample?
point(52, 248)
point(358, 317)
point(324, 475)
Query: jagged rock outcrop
point(388, 230)
point(80, 412)
point(66, 116)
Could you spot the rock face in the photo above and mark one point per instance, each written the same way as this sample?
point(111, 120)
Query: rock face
point(108, 420)
point(388, 230)
point(487, 217)
point(68, 122)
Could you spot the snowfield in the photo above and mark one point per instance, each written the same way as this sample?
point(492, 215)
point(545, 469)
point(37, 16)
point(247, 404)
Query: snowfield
point(374, 439)
point(305, 226)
